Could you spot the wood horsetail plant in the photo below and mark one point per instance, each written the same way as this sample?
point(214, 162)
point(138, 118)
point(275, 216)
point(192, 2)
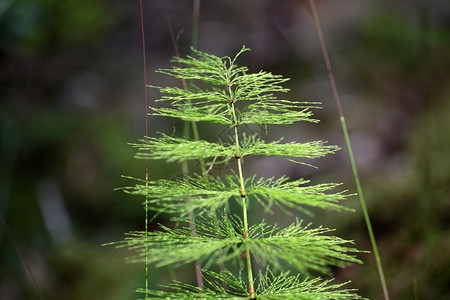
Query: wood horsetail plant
point(224, 93)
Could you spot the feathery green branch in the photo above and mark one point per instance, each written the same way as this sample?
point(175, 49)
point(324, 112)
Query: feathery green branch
point(182, 196)
point(214, 104)
point(304, 248)
point(211, 193)
point(293, 194)
point(180, 149)
point(270, 287)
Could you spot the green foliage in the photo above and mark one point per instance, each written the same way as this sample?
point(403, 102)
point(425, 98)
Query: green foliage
point(221, 238)
point(180, 149)
point(301, 247)
point(271, 287)
point(208, 192)
point(224, 93)
point(214, 104)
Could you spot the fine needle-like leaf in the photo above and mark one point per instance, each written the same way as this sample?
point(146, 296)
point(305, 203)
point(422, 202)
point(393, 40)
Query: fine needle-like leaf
point(182, 196)
point(216, 240)
point(304, 248)
point(270, 287)
point(222, 92)
point(214, 104)
point(252, 145)
point(180, 149)
point(211, 193)
point(294, 194)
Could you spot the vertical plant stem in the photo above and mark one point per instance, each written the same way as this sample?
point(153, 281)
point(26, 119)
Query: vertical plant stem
point(350, 152)
point(195, 20)
point(364, 209)
point(144, 62)
point(194, 39)
point(194, 32)
point(251, 288)
point(195, 17)
point(187, 125)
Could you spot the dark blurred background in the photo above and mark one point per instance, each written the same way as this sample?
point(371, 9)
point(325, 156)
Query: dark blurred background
point(72, 97)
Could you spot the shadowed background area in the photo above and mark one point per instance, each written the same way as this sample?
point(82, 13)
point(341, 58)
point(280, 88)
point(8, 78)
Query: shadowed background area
point(72, 97)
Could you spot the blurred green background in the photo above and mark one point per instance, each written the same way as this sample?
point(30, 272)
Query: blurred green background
point(72, 97)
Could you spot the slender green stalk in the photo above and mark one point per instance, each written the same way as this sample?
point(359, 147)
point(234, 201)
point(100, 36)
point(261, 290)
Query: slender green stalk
point(251, 288)
point(350, 152)
point(194, 38)
point(195, 20)
point(195, 17)
point(186, 124)
point(144, 62)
